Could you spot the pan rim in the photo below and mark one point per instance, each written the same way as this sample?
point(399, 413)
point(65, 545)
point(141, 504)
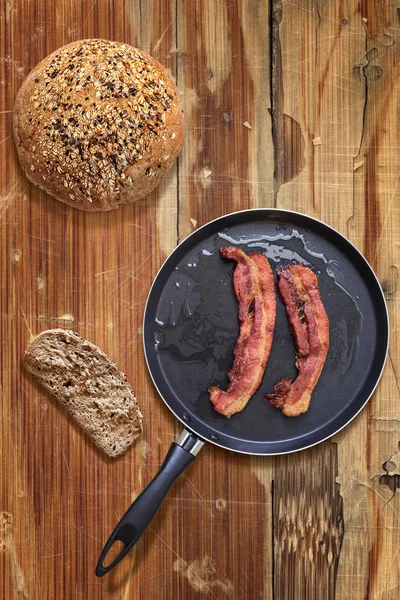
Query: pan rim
point(364, 260)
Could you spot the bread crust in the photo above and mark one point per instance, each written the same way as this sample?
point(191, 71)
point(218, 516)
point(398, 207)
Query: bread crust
point(98, 124)
point(89, 385)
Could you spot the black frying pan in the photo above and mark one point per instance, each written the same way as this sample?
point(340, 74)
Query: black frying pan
point(190, 330)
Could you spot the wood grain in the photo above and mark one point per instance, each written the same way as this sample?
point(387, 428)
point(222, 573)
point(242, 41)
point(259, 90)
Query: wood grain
point(291, 103)
point(308, 524)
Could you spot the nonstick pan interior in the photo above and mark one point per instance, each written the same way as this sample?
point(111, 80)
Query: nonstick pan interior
point(190, 330)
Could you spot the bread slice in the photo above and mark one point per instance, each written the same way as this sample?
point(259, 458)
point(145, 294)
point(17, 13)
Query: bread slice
point(89, 385)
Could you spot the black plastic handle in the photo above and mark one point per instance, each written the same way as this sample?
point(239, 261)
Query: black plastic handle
point(139, 515)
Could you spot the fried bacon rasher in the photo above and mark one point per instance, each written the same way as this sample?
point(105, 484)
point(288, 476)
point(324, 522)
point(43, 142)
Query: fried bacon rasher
point(253, 283)
point(309, 324)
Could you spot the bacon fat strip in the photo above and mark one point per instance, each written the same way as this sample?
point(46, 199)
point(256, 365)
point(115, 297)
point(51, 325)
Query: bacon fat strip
point(309, 324)
point(253, 283)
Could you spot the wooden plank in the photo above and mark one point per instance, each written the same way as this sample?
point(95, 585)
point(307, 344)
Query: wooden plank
point(308, 510)
point(308, 524)
point(227, 165)
point(373, 526)
point(223, 71)
point(92, 273)
point(334, 88)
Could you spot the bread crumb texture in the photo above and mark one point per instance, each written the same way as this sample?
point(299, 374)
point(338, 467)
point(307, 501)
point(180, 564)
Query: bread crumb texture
point(97, 124)
point(89, 385)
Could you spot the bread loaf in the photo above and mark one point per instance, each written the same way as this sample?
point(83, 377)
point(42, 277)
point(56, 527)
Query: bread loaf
point(89, 385)
point(97, 124)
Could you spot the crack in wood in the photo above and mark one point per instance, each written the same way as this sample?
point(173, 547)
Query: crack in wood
point(287, 136)
point(361, 71)
point(369, 141)
point(276, 93)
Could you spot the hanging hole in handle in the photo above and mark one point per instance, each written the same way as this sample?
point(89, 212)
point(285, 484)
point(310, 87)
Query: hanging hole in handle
point(126, 533)
point(113, 552)
point(124, 537)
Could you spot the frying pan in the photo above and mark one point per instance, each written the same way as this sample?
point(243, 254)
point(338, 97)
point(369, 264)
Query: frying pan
point(190, 329)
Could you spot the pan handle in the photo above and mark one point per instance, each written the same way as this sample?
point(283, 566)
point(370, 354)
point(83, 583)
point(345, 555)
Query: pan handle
point(139, 515)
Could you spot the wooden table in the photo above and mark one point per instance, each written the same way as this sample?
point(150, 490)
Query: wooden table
point(291, 104)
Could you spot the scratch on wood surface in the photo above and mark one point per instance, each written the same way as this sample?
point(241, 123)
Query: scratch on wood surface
point(158, 43)
point(66, 462)
point(31, 336)
point(388, 212)
point(50, 319)
point(42, 239)
point(131, 274)
point(89, 13)
point(394, 370)
point(368, 486)
point(394, 558)
point(68, 227)
point(385, 425)
point(8, 196)
point(115, 270)
point(203, 500)
point(47, 556)
point(165, 544)
point(80, 529)
point(44, 409)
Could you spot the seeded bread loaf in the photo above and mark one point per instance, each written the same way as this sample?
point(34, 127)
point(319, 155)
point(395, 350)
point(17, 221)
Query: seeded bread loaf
point(97, 124)
point(89, 385)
